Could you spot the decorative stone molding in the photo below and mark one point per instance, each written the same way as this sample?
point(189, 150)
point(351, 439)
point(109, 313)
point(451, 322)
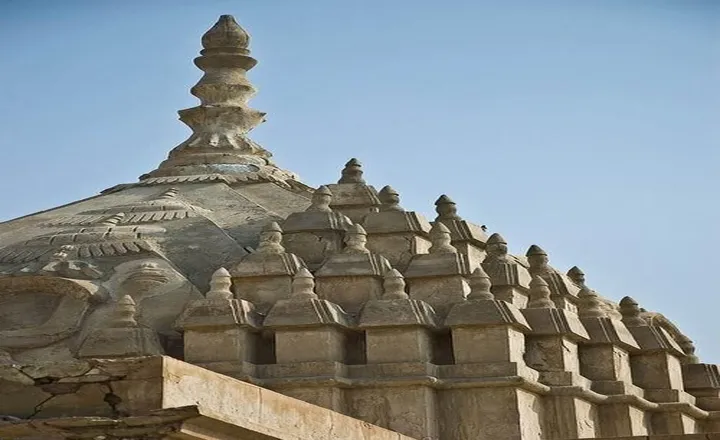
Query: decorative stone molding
point(40, 310)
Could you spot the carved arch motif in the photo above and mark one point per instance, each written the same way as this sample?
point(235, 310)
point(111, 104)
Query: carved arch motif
point(64, 305)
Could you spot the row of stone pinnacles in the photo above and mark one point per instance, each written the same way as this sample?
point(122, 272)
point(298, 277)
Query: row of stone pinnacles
point(435, 331)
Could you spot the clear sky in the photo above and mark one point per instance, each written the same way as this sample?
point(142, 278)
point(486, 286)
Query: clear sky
point(589, 127)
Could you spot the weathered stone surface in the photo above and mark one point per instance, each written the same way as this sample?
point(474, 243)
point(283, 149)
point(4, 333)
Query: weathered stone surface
point(482, 345)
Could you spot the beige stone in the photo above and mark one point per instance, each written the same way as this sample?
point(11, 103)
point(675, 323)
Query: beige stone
point(480, 344)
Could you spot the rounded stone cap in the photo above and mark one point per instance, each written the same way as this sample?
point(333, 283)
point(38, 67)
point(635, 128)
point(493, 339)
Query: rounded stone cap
point(226, 34)
point(496, 239)
point(535, 250)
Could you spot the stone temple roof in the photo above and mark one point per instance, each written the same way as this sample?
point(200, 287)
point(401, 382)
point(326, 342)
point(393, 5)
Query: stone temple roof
point(219, 239)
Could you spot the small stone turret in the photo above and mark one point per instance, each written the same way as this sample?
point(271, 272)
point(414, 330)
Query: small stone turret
point(468, 238)
point(563, 290)
point(316, 232)
point(121, 336)
point(353, 276)
point(351, 195)
point(221, 333)
point(510, 278)
point(439, 277)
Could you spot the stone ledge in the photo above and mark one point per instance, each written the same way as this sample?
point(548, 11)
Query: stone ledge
point(140, 387)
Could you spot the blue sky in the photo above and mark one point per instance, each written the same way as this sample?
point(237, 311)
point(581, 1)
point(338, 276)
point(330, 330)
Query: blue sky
point(589, 128)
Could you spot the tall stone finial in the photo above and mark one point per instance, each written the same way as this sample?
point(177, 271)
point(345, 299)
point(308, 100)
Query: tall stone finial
point(123, 314)
point(589, 305)
point(352, 173)
point(355, 240)
point(220, 124)
point(220, 284)
point(390, 199)
point(303, 285)
point(630, 312)
point(321, 199)
point(480, 285)
point(271, 240)
point(496, 246)
point(441, 239)
point(539, 294)
point(577, 276)
point(394, 285)
point(537, 258)
point(446, 209)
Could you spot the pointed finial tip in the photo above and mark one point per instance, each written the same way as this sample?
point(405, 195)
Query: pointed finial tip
point(356, 228)
point(324, 190)
point(538, 281)
point(126, 300)
point(393, 273)
point(389, 190)
point(444, 199)
point(303, 273)
point(221, 273)
point(479, 273)
point(535, 250)
point(226, 33)
point(353, 162)
point(575, 271)
point(496, 239)
point(439, 227)
point(628, 301)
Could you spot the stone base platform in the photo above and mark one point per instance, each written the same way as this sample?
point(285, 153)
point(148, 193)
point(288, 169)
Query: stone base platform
point(158, 397)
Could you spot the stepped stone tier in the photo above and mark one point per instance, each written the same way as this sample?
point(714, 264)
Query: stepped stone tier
point(220, 298)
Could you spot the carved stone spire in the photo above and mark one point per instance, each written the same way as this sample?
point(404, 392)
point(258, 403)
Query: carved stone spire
point(480, 285)
point(577, 276)
point(394, 285)
point(123, 314)
point(538, 259)
point(390, 199)
point(539, 294)
point(219, 143)
point(321, 199)
point(631, 313)
point(352, 173)
point(446, 209)
point(303, 286)
point(271, 240)
point(220, 285)
point(589, 305)
point(440, 238)
point(355, 240)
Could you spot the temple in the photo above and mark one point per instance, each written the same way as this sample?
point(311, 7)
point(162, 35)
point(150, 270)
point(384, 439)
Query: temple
point(219, 297)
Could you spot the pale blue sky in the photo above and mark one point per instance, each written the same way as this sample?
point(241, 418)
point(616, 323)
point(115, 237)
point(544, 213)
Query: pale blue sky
point(589, 128)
